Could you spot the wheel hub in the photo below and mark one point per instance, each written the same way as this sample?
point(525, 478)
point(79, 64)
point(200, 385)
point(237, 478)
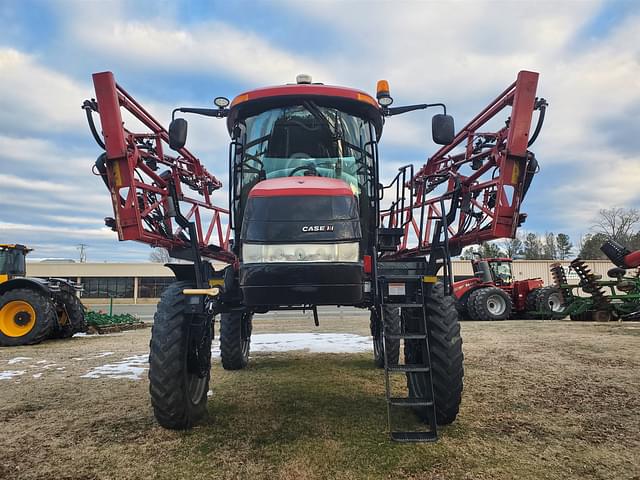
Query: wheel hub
point(17, 318)
point(22, 318)
point(496, 305)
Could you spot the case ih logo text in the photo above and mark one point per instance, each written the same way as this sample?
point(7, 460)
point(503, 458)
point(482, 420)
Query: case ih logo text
point(317, 228)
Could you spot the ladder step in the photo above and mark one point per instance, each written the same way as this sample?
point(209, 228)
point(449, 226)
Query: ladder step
point(403, 305)
point(409, 402)
point(406, 336)
point(408, 368)
point(414, 436)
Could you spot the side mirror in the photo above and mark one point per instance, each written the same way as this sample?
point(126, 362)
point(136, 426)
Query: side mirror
point(177, 133)
point(442, 129)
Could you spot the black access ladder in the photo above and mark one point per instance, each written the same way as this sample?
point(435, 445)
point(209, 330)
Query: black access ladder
point(407, 293)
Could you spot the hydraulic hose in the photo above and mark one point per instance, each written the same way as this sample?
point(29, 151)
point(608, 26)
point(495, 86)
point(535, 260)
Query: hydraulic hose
point(542, 106)
point(89, 106)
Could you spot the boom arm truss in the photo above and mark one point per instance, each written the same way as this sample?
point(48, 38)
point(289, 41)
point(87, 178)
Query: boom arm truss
point(481, 187)
point(148, 203)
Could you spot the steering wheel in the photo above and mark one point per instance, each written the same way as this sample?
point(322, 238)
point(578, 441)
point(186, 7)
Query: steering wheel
point(309, 168)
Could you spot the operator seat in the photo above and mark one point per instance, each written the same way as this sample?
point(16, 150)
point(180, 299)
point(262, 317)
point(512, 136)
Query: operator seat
point(296, 138)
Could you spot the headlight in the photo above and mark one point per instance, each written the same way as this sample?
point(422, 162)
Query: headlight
point(300, 252)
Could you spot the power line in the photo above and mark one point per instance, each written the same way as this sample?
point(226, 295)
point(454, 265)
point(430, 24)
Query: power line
point(83, 252)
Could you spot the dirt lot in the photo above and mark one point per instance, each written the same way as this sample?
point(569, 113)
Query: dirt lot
point(541, 400)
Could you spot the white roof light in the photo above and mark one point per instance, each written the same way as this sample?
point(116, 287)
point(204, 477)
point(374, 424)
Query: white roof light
point(303, 78)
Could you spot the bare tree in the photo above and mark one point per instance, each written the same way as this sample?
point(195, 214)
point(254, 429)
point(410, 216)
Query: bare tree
point(549, 247)
point(617, 223)
point(513, 246)
point(159, 255)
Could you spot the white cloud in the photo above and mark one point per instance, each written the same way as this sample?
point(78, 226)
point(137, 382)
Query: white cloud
point(36, 98)
point(212, 47)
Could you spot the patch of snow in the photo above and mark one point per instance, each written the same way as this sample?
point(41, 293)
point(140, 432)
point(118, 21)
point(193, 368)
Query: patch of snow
point(60, 368)
point(311, 342)
point(51, 365)
point(9, 374)
point(18, 360)
point(37, 375)
point(103, 354)
point(209, 393)
point(131, 368)
point(80, 334)
point(42, 361)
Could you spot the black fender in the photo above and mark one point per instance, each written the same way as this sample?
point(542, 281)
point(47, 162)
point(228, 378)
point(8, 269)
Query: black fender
point(36, 284)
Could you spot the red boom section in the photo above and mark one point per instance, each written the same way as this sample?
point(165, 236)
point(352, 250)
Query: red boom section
point(141, 179)
point(481, 177)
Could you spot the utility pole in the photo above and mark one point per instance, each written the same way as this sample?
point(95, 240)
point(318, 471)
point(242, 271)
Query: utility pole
point(83, 252)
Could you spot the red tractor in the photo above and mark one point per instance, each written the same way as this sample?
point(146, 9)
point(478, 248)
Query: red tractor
point(492, 294)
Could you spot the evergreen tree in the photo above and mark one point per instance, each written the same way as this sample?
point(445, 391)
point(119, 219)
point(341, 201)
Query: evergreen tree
point(491, 250)
point(590, 246)
point(532, 247)
point(564, 246)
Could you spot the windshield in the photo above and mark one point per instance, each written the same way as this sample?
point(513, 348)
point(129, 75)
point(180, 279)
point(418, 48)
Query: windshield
point(12, 262)
point(502, 271)
point(306, 139)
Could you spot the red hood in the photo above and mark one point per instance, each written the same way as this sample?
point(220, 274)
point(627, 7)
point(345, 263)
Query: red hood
point(301, 186)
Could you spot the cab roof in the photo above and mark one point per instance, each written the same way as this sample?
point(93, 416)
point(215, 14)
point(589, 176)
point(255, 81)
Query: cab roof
point(349, 99)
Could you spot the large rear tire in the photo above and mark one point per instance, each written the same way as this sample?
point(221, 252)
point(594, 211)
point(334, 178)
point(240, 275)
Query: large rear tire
point(26, 317)
point(491, 303)
point(235, 339)
point(470, 306)
point(391, 327)
point(178, 391)
point(445, 345)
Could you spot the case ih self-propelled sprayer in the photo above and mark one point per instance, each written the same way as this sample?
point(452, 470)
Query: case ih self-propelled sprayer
point(309, 224)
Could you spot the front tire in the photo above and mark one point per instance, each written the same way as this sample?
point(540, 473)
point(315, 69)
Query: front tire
point(491, 303)
point(235, 339)
point(391, 327)
point(445, 346)
point(178, 392)
point(26, 317)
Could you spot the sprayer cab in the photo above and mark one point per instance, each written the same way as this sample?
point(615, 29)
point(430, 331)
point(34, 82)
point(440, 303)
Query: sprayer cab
point(304, 193)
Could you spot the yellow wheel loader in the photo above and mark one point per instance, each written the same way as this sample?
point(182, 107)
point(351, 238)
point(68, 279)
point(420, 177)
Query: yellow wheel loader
point(35, 309)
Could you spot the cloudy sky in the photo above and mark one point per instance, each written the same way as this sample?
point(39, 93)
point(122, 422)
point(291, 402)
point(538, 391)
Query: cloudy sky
point(170, 53)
